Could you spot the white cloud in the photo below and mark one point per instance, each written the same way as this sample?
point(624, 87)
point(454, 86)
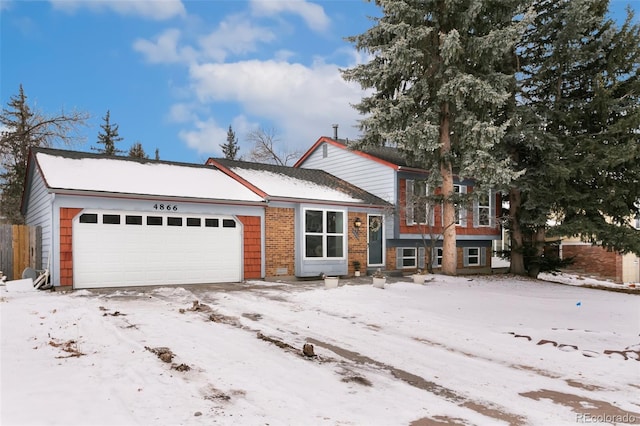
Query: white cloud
point(150, 9)
point(181, 113)
point(301, 102)
point(206, 138)
point(164, 49)
point(283, 55)
point(235, 35)
point(312, 14)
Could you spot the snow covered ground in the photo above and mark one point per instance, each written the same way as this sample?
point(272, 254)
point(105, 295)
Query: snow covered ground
point(458, 350)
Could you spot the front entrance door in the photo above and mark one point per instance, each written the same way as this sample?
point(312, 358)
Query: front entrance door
point(375, 240)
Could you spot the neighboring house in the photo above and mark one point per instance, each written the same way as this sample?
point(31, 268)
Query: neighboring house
point(398, 245)
point(119, 221)
point(313, 219)
point(594, 260)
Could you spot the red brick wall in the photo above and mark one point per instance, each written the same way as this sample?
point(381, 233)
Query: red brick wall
point(279, 241)
point(252, 246)
point(594, 260)
point(437, 228)
point(66, 244)
point(391, 260)
point(357, 241)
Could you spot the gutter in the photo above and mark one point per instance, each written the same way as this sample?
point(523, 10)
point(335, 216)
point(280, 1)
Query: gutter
point(101, 194)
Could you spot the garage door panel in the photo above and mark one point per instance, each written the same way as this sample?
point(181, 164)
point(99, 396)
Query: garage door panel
point(111, 255)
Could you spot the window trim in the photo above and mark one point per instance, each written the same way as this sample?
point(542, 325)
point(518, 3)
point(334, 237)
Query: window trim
point(436, 257)
point(402, 257)
point(460, 212)
point(324, 234)
point(482, 256)
point(410, 206)
point(490, 209)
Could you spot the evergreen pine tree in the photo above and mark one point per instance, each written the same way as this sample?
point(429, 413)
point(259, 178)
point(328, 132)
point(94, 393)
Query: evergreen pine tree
point(231, 148)
point(108, 137)
point(137, 151)
point(439, 91)
point(577, 135)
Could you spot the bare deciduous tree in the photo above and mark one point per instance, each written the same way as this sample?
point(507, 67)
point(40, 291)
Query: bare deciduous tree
point(23, 127)
point(266, 150)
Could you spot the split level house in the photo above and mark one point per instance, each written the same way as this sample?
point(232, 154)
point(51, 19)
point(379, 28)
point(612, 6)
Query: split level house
point(401, 243)
point(118, 221)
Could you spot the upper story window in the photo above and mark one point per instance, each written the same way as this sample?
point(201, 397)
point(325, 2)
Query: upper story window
point(419, 210)
point(324, 233)
point(483, 209)
point(460, 210)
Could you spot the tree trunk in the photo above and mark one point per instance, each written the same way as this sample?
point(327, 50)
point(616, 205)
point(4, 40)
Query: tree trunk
point(538, 245)
point(449, 252)
point(517, 238)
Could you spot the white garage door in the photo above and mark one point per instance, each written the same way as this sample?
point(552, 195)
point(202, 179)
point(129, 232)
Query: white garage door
point(116, 249)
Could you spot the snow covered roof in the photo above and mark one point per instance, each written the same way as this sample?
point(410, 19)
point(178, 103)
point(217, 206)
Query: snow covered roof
point(284, 182)
point(82, 171)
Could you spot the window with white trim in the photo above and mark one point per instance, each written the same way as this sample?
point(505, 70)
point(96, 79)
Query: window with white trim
point(437, 257)
point(460, 211)
point(324, 233)
point(417, 205)
point(483, 206)
point(475, 256)
point(408, 257)
point(472, 256)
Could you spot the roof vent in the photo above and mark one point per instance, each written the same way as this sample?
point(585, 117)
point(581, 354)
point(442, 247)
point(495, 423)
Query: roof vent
point(335, 131)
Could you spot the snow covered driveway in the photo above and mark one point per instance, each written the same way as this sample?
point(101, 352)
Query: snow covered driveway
point(460, 350)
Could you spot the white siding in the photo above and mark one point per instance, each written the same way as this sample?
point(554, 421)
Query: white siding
point(39, 212)
point(367, 174)
point(630, 268)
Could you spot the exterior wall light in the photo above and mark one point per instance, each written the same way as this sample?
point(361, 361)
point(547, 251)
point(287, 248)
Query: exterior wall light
point(357, 223)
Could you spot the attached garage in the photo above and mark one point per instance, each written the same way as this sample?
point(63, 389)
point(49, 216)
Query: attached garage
point(119, 222)
point(119, 248)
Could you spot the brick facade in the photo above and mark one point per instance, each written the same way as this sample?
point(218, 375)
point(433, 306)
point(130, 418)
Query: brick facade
point(252, 243)
point(66, 244)
point(279, 241)
point(391, 261)
point(437, 228)
point(357, 241)
point(594, 260)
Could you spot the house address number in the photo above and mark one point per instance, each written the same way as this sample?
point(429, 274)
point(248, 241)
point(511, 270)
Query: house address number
point(166, 207)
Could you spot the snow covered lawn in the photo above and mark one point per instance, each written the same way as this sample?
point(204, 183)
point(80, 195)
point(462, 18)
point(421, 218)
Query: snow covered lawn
point(463, 350)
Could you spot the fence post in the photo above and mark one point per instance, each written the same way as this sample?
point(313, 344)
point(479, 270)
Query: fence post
point(6, 251)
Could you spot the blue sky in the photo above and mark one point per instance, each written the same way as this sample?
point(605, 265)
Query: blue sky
point(175, 74)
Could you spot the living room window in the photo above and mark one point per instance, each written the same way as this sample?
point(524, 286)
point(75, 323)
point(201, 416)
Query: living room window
point(324, 233)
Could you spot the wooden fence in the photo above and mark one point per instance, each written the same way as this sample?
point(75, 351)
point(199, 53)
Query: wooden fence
point(20, 247)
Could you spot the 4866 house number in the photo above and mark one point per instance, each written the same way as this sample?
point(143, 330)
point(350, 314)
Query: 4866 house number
point(166, 207)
